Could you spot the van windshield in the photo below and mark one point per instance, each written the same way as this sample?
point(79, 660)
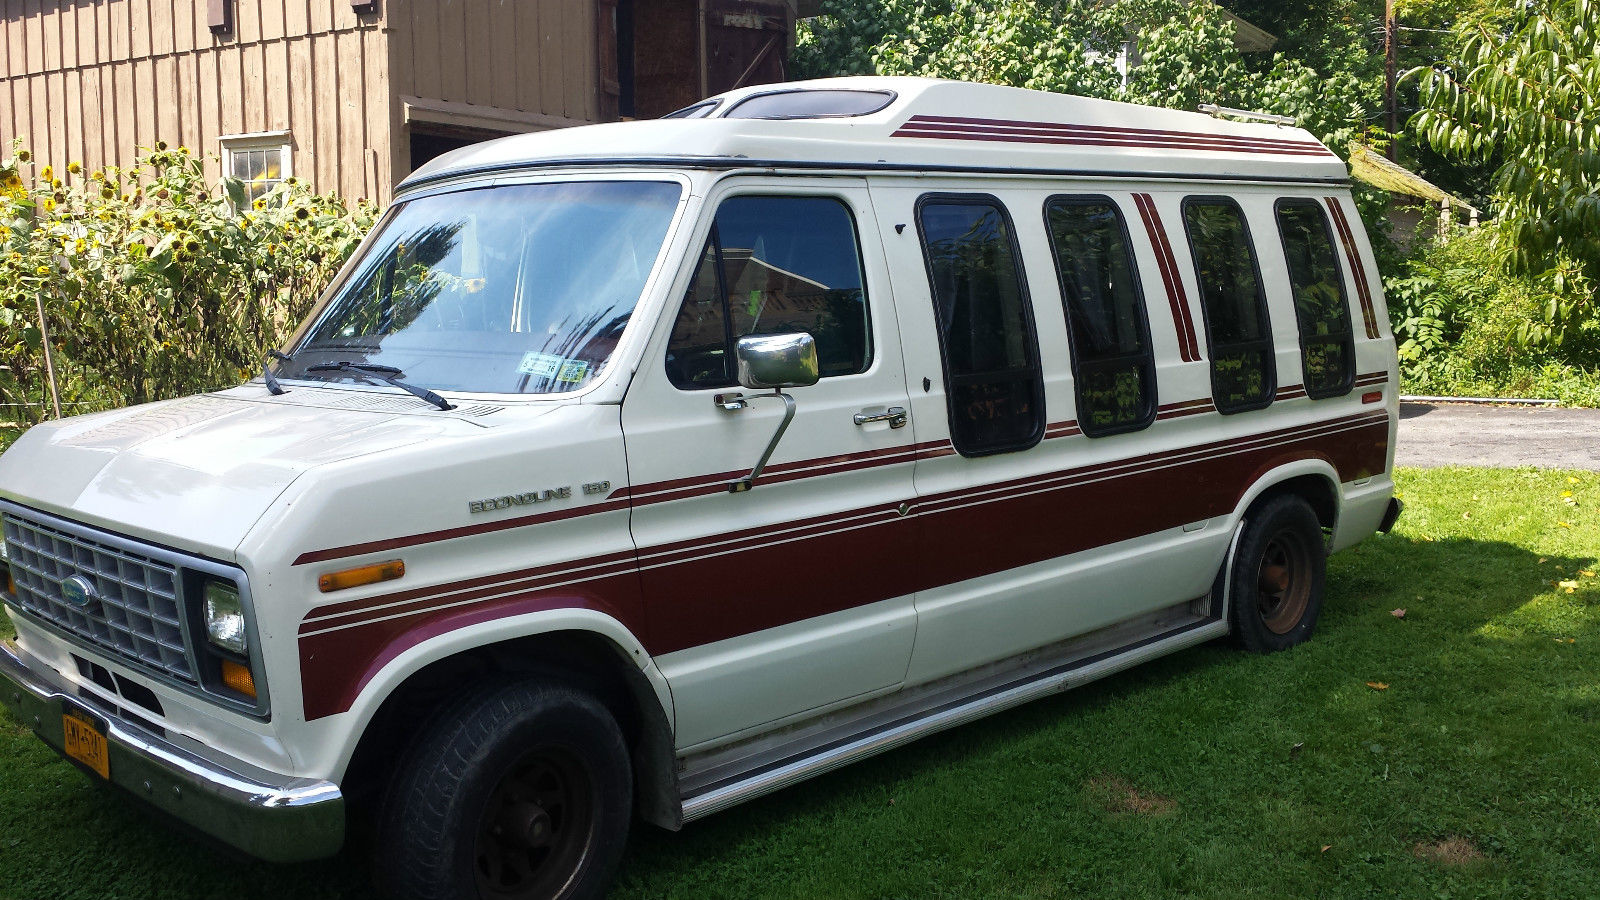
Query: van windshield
point(511, 289)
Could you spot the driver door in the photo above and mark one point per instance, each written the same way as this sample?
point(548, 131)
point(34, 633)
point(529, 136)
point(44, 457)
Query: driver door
point(792, 597)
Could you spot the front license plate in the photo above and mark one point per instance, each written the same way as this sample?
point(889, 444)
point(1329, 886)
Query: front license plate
point(85, 743)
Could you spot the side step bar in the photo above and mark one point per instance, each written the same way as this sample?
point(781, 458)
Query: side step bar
point(892, 735)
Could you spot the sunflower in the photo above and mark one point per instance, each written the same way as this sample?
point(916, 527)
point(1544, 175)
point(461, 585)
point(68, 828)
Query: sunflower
point(74, 168)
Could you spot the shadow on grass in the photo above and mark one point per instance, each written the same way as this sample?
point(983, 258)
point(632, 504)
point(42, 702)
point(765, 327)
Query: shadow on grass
point(1480, 654)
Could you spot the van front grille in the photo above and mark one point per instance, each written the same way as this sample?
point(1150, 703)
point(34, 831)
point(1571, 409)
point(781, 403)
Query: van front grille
point(95, 588)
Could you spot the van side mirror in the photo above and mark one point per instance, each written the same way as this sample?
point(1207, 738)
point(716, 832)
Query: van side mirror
point(774, 361)
point(777, 360)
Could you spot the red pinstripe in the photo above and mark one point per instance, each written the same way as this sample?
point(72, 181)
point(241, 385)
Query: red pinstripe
point(1358, 269)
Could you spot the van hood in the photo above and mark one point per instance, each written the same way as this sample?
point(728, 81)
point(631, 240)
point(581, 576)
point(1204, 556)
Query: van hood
point(194, 474)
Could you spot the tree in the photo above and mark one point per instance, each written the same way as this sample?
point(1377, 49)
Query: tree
point(1186, 54)
point(1529, 97)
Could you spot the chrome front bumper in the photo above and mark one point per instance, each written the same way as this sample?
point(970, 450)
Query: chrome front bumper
point(290, 820)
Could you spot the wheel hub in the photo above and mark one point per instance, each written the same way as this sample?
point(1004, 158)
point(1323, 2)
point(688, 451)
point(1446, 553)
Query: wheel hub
point(536, 828)
point(526, 824)
point(1283, 582)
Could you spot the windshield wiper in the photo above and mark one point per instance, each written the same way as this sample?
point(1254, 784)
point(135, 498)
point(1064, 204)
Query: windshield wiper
point(386, 374)
point(273, 387)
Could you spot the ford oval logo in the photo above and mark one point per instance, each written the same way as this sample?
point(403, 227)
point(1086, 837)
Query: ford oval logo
point(78, 591)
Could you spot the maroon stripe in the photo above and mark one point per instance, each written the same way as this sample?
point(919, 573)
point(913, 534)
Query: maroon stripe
point(1048, 132)
point(691, 604)
point(844, 462)
point(337, 665)
point(1176, 298)
point(502, 578)
point(1189, 338)
point(1092, 134)
point(661, 554)
point(447, 534)
point(1182, 410)
point(1357, 268)
point(1152, 460)
point(462, 598)
point(528, 578)
point(1148, 143)
point(1016, 124)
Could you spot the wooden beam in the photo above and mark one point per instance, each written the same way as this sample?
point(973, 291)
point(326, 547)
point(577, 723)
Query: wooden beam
point(473, 116)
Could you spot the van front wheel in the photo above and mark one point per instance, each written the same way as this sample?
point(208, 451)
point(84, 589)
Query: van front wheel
point(521, 792)
point(1277, 578)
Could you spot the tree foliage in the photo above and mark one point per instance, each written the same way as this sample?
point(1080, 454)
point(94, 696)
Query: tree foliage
point(1529, 97)
point(1185, 54)
point(154, 282)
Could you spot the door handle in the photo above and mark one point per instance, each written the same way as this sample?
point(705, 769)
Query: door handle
point(894, 415)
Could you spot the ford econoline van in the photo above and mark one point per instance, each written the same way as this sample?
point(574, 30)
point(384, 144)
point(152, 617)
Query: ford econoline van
point(647, 468)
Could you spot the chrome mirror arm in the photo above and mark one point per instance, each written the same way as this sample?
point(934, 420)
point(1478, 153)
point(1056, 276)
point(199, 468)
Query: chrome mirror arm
point(749, 481)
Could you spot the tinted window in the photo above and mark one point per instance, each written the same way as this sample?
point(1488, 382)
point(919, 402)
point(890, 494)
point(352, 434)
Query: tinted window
point(773, 265)
point(1111, 358)
point(810, 104)
point(513, 289)
point(991, 356)
point(1320, 305)
point(1237, 331)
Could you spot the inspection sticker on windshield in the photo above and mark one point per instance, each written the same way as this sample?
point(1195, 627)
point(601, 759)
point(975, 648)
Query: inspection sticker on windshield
point(555, 368)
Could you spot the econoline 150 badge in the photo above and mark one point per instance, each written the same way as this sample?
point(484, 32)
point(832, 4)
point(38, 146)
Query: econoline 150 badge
point(528, 499)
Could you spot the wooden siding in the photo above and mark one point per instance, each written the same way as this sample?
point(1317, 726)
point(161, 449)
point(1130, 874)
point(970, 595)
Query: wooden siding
point(535, 57)
point(93, 80)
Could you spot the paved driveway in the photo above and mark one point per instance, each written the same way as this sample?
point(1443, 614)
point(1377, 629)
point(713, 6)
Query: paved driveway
point(1448, 434)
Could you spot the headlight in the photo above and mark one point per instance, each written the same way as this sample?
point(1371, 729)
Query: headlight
point(225, 617)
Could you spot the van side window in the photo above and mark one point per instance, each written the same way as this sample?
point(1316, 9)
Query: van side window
point(1321, 306)
point(773, 265)
point(1112, 363)
point(1243, 371)
point(986, 334)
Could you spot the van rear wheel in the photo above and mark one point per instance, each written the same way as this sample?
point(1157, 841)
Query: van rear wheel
point(1278, 575)
point(523, 791)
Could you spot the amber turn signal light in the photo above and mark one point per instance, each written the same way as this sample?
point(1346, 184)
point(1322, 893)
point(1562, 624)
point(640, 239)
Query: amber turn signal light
point(349, 578)
point(237, 676)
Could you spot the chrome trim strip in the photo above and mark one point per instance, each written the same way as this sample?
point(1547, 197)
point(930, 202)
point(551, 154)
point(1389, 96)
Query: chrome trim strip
point(872, 744)
point(284, 819)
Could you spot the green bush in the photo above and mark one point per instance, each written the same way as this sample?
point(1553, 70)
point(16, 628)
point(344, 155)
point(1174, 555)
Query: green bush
point(1466, 327)
point(154, 283)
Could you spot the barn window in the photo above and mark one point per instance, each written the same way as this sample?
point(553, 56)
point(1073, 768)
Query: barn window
point(262, 161)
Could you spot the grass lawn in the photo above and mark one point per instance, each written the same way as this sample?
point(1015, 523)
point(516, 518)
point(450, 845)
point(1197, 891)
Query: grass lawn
point(1452, 753)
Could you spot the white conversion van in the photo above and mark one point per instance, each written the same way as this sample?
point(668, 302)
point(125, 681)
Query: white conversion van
point(656, 466)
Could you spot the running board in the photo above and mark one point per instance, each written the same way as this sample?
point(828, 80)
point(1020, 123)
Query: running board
point(723, 793)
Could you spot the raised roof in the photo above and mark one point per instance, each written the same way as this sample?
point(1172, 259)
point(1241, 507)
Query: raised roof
point(929, 125)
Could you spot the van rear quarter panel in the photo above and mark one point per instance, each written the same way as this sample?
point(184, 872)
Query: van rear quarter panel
point(1077, 533)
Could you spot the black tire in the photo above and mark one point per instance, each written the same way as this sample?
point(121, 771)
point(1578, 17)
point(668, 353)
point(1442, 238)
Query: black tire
point(1278, 574)
point(521, 791)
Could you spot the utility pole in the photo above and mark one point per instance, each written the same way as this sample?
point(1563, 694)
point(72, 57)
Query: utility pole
point(1390, 52)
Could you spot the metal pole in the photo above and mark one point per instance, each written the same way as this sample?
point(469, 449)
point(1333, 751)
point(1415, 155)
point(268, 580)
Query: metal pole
point(1390, 52)
point(49, 363)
